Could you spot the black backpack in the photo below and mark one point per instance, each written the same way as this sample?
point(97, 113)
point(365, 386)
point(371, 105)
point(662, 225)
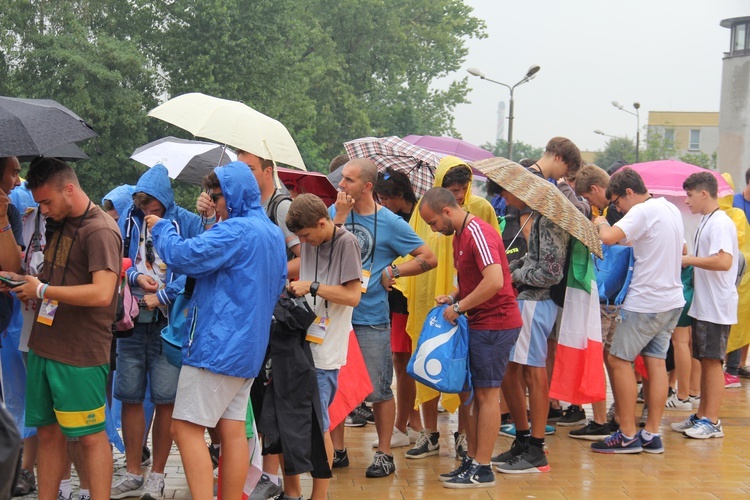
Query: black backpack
point(272, 211)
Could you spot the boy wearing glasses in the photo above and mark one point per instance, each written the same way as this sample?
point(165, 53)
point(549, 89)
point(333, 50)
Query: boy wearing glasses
point(155, 286)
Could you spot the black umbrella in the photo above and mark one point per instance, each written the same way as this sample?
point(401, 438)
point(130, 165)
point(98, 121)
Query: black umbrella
point(66, 152)
point(33, 127)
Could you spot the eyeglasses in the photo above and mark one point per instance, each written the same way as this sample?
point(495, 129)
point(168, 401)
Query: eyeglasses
point(150, 257)
point(616, 201)
point(215, 196)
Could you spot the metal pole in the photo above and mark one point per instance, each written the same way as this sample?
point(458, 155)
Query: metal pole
point(510, 127)
point(637, 132)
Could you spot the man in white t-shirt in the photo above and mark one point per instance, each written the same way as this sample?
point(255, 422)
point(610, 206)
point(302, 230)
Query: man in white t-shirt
point(653, 226)
point(714, 307)
point(330, 279)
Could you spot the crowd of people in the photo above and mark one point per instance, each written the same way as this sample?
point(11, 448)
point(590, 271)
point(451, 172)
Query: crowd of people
point(274, 297)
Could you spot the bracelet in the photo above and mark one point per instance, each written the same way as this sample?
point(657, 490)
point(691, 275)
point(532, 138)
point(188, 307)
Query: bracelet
point(6, 228)
point(209, 220)
point(453, 300)
point(39, 290)
point(388, 272)
point(601, 224)
point(44, 290)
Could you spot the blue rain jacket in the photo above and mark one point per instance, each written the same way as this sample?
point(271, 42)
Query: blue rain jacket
point(240, 270)
point(122, 198)
point(155, 182)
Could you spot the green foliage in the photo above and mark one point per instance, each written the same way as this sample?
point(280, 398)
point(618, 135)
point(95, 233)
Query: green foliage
point(700, 160)
point(658, 147)
point(521, 150)
point(616, 149)
point(330, 70)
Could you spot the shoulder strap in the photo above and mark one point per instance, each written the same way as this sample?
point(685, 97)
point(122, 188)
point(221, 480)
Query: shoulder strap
point(273, 205)
point(128, 230)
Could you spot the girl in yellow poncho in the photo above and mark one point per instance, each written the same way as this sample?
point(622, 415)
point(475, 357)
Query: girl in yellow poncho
point(420, 291)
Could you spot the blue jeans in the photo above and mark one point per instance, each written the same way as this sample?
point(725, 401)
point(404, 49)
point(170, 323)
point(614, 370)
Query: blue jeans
point(327, 384)
point(375, 343)
point(139, 355)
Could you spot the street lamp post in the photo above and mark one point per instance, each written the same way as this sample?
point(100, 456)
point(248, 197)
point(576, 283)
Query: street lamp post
point(637, 106)
point(530, 74)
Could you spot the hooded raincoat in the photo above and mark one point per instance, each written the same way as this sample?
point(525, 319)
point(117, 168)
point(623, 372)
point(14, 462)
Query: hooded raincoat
point(420, 291)
point(155, 182)
point(739, 335)
point(121, 197)
point(240, 271)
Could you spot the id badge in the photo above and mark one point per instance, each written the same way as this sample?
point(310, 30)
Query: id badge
point(47, 312)
point(317, 331)
point(365, 280)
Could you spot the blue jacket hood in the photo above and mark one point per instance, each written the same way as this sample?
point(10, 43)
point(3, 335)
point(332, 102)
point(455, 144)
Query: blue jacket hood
point(241, 191)
point(155, 182)
point(22, 198)
point(121, 197)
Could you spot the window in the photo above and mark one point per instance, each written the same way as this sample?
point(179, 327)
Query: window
point(669, 135)
point(740, 40)
point(695, 140)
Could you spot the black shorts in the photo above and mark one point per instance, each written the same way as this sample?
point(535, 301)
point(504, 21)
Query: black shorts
point(709, 340)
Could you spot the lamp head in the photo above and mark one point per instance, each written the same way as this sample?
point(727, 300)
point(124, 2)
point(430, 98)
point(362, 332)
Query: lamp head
point(475, 72)
point(533, 70)
point(617, 104)
point(597, 131)
point(636, 105)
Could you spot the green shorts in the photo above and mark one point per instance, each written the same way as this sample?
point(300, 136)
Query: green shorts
point(71, 396)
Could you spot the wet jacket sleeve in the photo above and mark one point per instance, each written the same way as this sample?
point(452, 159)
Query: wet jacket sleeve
point(549, 269)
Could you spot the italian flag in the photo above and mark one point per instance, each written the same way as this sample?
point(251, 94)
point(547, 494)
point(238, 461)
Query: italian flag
point(578, 376)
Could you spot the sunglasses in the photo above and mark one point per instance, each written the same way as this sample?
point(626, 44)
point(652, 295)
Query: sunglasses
point(150, 251)
point(215, 196)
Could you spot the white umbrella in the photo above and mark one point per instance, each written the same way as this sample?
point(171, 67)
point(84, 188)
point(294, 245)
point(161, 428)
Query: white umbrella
point(232, 123)
point(186, 160)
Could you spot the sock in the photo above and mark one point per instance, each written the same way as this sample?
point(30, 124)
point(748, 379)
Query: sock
point(504, 416)
point(523, 434)
point(136, 476)
point(474, 462)
point(647, 436)
point(274, 479)
point(65, 488)
point(536, 442)
point(83, 493)
point(156, 474)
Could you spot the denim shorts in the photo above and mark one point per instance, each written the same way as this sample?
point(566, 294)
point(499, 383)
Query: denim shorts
point(647, 334)
point(489, 353)
point(328, 381)
point(709, 340)
point(609, 316)
point(375, 344)
point(140, 355)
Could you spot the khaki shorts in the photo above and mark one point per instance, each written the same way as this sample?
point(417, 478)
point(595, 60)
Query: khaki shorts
point(204, 397)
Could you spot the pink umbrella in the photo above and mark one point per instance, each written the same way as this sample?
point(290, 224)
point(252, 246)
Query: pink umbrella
point(665, 177)
point(449, 146)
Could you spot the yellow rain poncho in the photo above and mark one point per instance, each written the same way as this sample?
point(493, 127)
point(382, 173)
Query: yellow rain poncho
point(420, 291)
point(739, 335)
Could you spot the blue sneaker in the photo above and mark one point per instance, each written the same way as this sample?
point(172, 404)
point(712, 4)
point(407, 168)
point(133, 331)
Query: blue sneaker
point(618, 443)
point(476, 476)
point(509, 430)
point(653, 446)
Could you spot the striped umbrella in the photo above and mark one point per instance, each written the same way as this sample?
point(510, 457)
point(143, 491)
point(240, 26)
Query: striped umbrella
point(417, 163)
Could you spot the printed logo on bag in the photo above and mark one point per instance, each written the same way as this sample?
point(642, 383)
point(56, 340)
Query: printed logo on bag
point(429, 368)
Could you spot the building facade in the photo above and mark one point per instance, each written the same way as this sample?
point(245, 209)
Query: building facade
point(688, 131)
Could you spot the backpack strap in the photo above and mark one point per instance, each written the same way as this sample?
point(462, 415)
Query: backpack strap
point(273, 205)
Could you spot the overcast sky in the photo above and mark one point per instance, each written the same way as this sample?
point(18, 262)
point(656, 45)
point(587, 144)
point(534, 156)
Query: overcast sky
point(665, 54)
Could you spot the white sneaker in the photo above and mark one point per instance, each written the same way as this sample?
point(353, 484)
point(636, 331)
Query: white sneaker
point(695, 401)
point(705, 429)
point(413, 435)
point(685, 424)
point(129, 485)
point(154, 487)
point(675, 403)
point(398, 439)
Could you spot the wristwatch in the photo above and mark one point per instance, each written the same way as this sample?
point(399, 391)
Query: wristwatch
point(314, 288)
point(395, 272)
point(456, 308)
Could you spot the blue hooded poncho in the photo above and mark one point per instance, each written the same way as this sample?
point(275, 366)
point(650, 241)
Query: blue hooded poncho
point(155, 182)
point(121, 197)
point(240, 271)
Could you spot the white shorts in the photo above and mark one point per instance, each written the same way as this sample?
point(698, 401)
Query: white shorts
point(204, 397)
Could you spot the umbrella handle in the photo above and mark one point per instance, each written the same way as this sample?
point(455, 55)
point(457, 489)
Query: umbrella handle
point(510, 245)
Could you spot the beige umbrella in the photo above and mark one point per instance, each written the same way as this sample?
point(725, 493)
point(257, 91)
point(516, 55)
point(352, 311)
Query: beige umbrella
point(232, 123)
point(542, 196)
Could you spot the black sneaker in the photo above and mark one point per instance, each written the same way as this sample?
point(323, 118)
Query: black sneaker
point(382, 465)
point(518, 446)
point(573, 415)
point(743, 372)
point(534, 459)
point(476, 476)
point(25, 484)
point(365, 413)
point(614, 425)
point(145, 456)
point(591, 432)
point(214, 452)
point(425, 446)
point(354, 420)
point(340, 459)
point(554, 414)
point(464, 465)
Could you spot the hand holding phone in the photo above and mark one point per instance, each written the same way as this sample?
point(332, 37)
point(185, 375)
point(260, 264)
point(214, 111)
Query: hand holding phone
point(10, 282)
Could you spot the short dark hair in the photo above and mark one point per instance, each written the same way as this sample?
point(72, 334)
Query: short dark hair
point(4, 161)
point(108, 206)
point(493, 188)
point(747, 176)
point(211, 181)
point(527, 162)
point(337, 162)
point(702, 181)
point(395, 184)
point(623, 179)
point(569, 152)
point(305, 212)
point(44, 171)
point(368, 171)
point(590, 176)
point(141, 199)
point(264, 163)
point(438, 198)
point(459, 175)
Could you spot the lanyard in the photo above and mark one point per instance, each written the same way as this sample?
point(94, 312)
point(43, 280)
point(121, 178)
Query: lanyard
point(374, 236)
point(700, 231)
point(330, 260)
point(57, 246)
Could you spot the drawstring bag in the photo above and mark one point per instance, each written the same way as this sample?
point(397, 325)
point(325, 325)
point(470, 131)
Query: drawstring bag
point(613, 273)
point(173, 334)
point(441, 359)
point(127, 307)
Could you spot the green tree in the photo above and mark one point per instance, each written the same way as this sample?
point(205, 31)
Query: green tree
point(658, 147)
point(700, 160)
point(521, 150)
point(616, 149)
